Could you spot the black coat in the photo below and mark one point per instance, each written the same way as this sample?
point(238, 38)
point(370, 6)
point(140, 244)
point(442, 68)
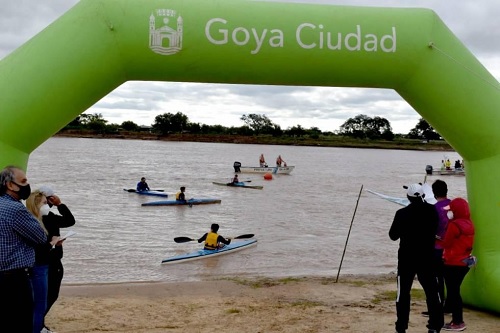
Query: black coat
point(415, 226)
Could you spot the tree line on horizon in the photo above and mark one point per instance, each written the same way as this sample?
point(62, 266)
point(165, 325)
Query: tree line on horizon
point(359, 127)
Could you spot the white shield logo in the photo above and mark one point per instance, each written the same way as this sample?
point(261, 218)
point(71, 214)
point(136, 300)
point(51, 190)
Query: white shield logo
point(166, 39)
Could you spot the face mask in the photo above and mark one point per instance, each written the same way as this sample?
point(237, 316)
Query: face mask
point(24, 191)
point(450, 215)
point(44, 210)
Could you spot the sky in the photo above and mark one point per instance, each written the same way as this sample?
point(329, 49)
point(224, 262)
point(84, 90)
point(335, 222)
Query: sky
point(474, 22)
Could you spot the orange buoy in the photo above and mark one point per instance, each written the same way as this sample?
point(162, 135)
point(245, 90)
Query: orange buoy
point(268, 176)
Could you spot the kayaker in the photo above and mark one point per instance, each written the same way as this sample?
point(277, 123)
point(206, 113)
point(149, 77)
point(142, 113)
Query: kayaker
point(180, 196)
point(213, 240)
point(234, 181)
point(142, 185)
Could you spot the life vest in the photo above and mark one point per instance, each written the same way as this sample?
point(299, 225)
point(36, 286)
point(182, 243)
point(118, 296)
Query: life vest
point(211, 241)
point(178, 195)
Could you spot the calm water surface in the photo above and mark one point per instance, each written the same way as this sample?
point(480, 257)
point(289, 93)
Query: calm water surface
point(301, 220)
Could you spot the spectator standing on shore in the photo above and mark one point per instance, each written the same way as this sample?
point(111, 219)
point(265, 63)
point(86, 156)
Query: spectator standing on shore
point(20, 232)
point(54, 222)
point(457, 243)
point(440, 191)
point(37, 205)
point(415, 227)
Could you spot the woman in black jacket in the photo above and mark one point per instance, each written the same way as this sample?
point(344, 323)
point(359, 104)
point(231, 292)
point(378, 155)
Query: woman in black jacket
point(53, 222)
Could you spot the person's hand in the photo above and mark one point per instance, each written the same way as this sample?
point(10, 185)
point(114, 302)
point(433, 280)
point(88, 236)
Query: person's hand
point(54, 200)
point(56, 240)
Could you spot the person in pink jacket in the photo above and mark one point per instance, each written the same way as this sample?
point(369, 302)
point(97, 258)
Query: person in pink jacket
point(457, 244)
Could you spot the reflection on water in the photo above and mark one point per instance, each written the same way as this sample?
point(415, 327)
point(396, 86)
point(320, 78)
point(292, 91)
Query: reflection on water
point(301, 220)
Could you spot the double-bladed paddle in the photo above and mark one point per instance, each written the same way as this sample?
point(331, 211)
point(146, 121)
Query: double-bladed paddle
point(134, 190)
point(188, 239)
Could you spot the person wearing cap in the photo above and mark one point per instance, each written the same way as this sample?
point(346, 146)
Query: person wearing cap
point(415, 227)
point(142, 185)
point(53, 223)
point(212, 239)
point(20, 232)
point(457, 243)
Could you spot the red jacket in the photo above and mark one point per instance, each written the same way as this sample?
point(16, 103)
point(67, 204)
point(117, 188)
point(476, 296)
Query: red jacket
point(459, 236)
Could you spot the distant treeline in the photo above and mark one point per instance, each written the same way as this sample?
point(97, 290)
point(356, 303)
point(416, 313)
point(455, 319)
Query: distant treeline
point(359, 127)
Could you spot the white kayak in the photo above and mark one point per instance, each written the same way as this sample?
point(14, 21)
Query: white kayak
point(236, 245)
point(429, 196)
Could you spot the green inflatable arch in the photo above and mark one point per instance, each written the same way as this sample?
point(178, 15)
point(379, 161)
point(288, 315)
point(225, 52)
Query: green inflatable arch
point(100, 44)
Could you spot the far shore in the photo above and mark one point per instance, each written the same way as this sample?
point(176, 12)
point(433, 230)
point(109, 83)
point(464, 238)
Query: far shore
point(360, 304)
point(322, 141)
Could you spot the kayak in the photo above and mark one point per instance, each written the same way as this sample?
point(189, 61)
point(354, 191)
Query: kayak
point(429, 196)
point(189, 202)
point(239, 184)
point(200, 254)
point(154, 193)
point(396, 200)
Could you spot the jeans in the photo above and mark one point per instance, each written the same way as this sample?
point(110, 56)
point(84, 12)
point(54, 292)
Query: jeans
point(39, 281)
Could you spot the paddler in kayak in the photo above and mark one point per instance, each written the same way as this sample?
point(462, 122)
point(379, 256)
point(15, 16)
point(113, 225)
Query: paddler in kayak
point(180, 196)
point(234, 181)
point(142, 185)
point(213, 240)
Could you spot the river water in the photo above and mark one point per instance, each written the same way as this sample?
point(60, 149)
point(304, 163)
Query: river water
point(302, 221)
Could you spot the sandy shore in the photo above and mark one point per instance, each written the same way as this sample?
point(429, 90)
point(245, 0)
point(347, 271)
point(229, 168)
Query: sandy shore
point(363, 304)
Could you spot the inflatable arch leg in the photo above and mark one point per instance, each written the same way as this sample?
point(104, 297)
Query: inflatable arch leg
point(100, 44)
